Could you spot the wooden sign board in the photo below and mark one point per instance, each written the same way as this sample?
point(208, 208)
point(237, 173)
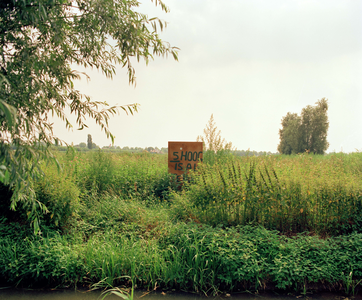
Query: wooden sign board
point(183, 156)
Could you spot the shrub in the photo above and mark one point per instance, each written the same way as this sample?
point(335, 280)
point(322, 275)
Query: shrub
point(59, 194)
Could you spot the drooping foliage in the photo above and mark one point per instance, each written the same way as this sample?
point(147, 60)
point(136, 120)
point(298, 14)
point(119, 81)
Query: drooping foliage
point(41, 41)
point(307, 132)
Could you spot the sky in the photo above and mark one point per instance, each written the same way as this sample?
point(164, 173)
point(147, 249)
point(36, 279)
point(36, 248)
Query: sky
point(248, 63)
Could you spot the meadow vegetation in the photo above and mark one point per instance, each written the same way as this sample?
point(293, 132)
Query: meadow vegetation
point(238, 223)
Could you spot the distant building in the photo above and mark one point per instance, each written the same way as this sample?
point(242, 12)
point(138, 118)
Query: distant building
point(156, 150)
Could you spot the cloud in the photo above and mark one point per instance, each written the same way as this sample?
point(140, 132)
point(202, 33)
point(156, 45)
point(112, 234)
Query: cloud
point(248, 63)
point(218, 32)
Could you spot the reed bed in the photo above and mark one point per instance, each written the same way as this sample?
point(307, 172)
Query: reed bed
point(139, 175)
point(298, 194)
point(250, 223)
point(292, 194)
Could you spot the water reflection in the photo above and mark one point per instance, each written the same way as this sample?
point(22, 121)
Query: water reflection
point(25, 294)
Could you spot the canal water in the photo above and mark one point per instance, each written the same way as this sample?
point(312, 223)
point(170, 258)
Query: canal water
point(26, 294)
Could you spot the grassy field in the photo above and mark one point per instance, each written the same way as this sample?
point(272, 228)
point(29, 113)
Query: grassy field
point(238, 223)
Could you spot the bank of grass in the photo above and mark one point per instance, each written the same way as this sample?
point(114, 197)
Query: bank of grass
point(188, 257)
point(240, 224)
point(318, 194)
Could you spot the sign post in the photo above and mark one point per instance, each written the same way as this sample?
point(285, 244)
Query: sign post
point(184, 156)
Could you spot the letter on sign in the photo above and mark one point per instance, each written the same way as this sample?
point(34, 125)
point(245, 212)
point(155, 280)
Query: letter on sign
point(183, 156)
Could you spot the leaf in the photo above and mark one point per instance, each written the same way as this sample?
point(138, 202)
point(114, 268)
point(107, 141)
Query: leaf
point(2, 174)
point(121, 295)
point(10, 113)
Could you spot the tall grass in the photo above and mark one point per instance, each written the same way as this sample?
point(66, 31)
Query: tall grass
point(123, 221)
point(131, 176)
point(303, 193)
point(319, 194)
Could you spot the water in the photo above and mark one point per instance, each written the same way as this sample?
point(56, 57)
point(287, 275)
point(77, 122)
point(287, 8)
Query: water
point(26, 294)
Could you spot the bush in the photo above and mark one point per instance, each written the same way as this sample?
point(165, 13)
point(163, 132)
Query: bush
point(98, 175)
point(59, 194)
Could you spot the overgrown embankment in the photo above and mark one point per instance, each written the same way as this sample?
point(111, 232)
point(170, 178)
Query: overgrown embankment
point(239, 224)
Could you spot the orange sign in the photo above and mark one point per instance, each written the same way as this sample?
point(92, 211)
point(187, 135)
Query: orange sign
point(183, 156)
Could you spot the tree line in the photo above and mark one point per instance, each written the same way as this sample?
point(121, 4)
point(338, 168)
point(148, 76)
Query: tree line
point(84, 147)
point(306, 132)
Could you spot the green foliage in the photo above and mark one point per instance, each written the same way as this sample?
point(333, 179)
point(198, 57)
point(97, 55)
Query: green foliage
point(190, 257)
point(39, 262)
point(117, 237)
point(305, 133)
point(41, 41)
point(59, 194)
point(96, 215)
point(220, 157)
point(89, 142)
point(98, 175)
point(291, 195)
point(119, 292)
point(290, 138)
point(142, 176)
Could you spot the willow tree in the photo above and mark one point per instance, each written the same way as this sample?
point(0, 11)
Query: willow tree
point(41, 44)
point(307, 132)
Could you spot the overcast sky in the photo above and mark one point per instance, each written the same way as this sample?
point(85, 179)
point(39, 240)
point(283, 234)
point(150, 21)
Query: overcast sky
point(247, 62)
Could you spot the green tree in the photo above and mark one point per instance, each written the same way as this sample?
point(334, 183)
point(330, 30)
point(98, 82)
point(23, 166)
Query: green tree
point(307, 132)
point(41, 41)
point(289, 134)
point(89, 142)
point(164, 150)
point(314, 127)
